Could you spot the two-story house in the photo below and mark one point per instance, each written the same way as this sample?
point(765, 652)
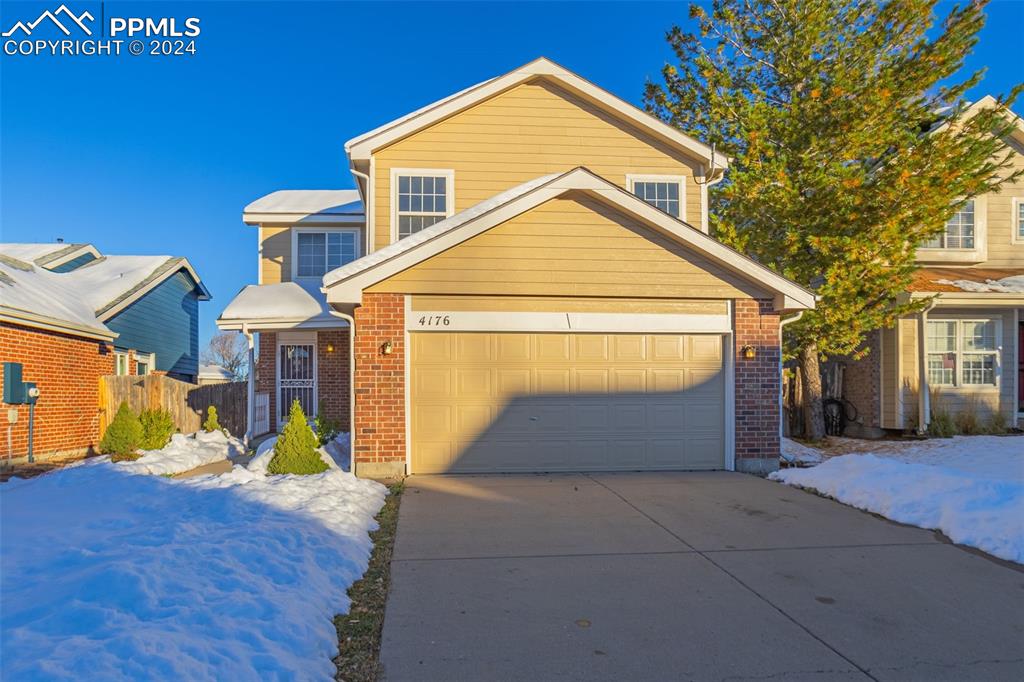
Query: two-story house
point(965, 350)
point(522, 281)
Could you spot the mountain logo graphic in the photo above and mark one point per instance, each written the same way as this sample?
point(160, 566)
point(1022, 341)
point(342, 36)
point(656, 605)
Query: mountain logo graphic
point(69, 16)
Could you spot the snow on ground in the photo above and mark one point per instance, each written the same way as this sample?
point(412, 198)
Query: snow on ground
point(969, 487)
point(111, 574)
point(798, 453)
point(335, 454)
point(1006, 285)
point(186, 452)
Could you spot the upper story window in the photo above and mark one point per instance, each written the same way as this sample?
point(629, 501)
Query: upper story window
point(421, 198)
point(320, 251)
point(662, 191)
point(962, 352)
point(959, 232)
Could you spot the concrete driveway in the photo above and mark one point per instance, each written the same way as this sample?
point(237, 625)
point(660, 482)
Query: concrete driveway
point(683, 576)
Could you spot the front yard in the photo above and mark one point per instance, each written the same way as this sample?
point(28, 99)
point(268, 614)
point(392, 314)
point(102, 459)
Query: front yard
point(117, 571)
point(969, 487)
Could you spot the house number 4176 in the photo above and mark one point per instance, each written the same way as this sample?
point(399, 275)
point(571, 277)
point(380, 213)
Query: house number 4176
point(434, 321)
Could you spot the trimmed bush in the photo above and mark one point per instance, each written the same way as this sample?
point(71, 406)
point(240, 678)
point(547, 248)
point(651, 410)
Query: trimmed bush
point(123, 436)
point(157, 428)
point(211, 424)
point(295, 451)
point(326, 429)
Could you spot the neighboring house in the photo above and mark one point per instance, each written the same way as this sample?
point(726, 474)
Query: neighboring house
point(965, 352)
point(521, 282)
point(71, 315)
point(214, 374)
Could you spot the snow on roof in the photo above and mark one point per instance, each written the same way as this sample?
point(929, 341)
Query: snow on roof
point(286, 302)
point(214, 372)
point(82, 297)
point(439, 228)
point(32, 252)
point(1006, 285)
point(342, 202)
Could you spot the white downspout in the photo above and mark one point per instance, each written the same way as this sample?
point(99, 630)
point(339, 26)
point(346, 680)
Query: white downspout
point(782, 406)
point(924, 398)
point(250, 412)
point(351, 383)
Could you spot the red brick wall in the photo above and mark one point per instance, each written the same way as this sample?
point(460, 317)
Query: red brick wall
point(757, 385)
point(862, 381)
point(266, 371)
point(67, 370)
point(380, 385)
point(333, 374)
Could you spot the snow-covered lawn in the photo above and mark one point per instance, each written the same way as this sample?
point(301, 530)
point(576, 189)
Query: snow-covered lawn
point(186, 452)
point(969, 487)
point(110, 573)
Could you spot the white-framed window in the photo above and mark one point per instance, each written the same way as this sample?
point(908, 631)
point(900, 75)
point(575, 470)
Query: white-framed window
point(121, 363)
point(317, 252)
point(661, 191)
point(420, 197)
point(144, 363)
point(1017, 219)
point(959, 232)
point(963, 353)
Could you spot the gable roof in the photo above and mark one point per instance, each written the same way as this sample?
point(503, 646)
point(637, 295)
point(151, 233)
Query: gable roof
point(362, 146)
point(306, 205)
point(79, 301)
point(344, 285)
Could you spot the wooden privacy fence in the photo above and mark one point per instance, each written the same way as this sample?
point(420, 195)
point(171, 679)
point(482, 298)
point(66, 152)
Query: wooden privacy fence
point(186, 402)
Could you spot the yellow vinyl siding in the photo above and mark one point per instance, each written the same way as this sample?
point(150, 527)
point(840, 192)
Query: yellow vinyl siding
point(531, 130)
point(556, 304)
point(890, 382)
point(570, 246)
point(909, 372)
point(275, 254)
point(1003, 252)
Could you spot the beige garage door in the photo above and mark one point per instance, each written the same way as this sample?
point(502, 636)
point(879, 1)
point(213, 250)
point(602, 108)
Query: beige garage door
point(491, 402)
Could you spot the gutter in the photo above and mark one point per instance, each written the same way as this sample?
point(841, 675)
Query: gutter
point(782, 408)
point(250, 389)
point(352, 384)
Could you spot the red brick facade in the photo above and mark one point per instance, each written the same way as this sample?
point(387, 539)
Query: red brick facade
point(333, 381)
point(67, 371)
point(380, 386)
point(757, 385)
point(862, 382)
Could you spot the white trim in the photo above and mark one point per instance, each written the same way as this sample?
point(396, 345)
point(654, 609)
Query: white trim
point(447, 173)
point(363, 146)
point(183, 265)
point(27, 319)
point(458, 321)
point(960, 386)
point(272, 324)
point(705, 222)
point(294, 339)
point(974, 255)
point(345, 285)
point(371, 208)
point(340, 219)
point(729, 362)
point(148, 358)
point(633, 178)
point(119, 356)
point(296, 231)
point(407, 389)
point(1016, 223)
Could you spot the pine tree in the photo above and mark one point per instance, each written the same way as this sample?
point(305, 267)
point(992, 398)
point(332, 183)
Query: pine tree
point(829, 112)
point(295, 451)
point(211, 424)
point(123, 436)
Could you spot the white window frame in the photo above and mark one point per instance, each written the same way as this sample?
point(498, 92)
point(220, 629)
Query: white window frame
point(1016, 223)
point(977, 254)
point(119, 357)
point(959, 352)
point(447, 173)
point(680, 180)
point(148, 358)
point(295, 339)
point(296, 231)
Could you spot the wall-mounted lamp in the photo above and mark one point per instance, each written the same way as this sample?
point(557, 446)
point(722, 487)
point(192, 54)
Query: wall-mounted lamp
point(330, 348)
point(749, 352)
point(386, 348)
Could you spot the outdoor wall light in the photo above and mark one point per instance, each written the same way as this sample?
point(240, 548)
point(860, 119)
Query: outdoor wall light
point(330, 348)
point(386, 348)
point(749, 352)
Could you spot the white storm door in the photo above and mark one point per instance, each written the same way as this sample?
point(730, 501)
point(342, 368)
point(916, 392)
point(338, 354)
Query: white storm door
point(296, 375)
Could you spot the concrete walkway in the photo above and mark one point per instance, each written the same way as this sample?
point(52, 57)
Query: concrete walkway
point(683, 576)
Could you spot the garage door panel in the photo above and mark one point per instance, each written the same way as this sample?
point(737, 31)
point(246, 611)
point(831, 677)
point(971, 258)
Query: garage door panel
point(485, 402)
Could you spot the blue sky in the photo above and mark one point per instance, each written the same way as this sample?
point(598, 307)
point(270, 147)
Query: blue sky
point(158, 155)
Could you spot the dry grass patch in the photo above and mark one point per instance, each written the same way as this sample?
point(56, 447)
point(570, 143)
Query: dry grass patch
point(359, 630)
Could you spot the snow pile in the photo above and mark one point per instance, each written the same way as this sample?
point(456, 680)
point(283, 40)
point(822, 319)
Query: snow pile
point(111, 575)
point(184, 453)
point(970, 488)
point(335, 454)
point(1006, 285)
point(798, 453)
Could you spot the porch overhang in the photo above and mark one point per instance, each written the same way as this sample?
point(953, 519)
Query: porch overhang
point(283, 306)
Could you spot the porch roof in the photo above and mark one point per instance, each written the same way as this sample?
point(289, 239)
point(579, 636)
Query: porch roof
point(287, 305)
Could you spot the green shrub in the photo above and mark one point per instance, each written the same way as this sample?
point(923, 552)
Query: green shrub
point(326, 429)
point(942, 424)
point(295, 451)
point(157, 428)
point(125, 457)
point(123, 436)
point(211, 424)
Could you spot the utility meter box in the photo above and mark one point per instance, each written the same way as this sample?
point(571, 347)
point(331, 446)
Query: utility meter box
point(16, 391)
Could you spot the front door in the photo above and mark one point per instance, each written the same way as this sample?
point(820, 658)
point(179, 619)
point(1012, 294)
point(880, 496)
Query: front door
point(296, 376)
